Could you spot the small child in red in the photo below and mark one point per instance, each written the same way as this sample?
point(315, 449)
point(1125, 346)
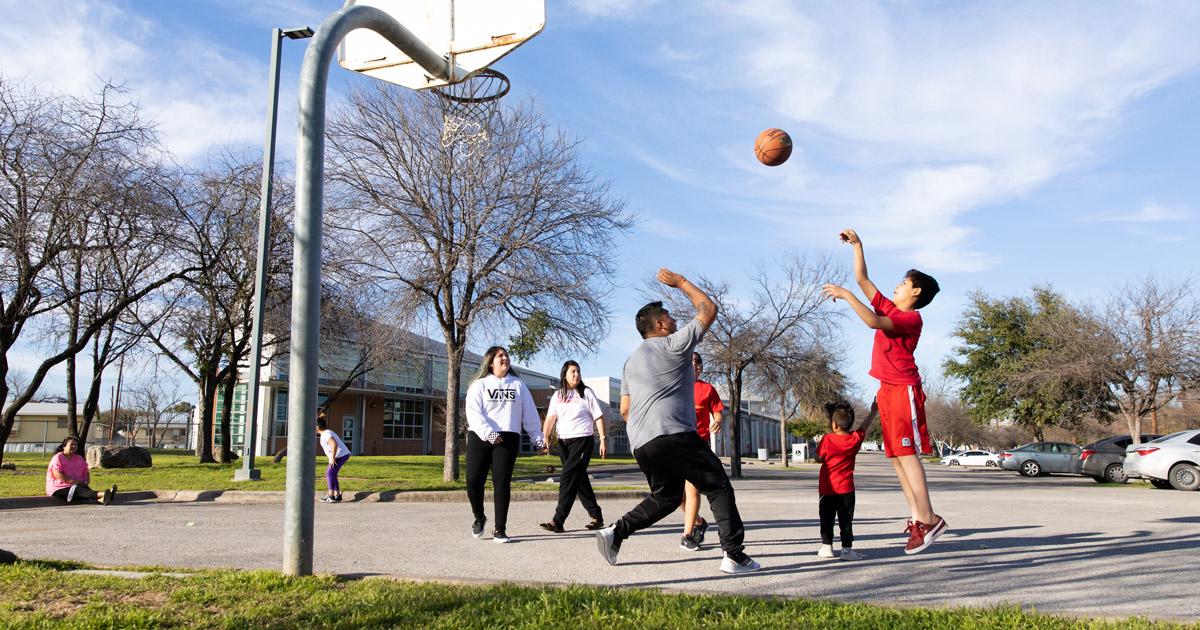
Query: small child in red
point(837, 452)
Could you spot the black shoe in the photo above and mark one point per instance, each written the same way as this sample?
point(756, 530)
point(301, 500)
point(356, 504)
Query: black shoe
point(477, 527)
point(500, 537)
point(688, 543)
point(338, 498)
point(107, 498)
point(698, 531)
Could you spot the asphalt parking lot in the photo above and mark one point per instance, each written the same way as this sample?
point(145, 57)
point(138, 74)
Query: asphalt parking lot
point(1058, 544)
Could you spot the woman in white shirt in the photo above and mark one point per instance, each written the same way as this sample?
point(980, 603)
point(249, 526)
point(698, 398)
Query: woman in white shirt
point(499, 406)
point(335, 449)
point(574, 409)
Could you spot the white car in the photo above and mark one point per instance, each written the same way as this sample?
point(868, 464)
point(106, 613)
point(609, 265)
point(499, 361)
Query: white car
point(972, 458)
point(1171, 461)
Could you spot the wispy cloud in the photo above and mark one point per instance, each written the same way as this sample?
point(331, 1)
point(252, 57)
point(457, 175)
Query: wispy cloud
point(1150, 212)
point(199, 93)
point(918, 115)
point(611, 8)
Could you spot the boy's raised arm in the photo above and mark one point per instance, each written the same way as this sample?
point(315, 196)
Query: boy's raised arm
point(868, 288)
point(864, 425)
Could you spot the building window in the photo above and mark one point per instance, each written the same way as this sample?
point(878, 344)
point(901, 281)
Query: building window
point(279, 416)
point(237, 417)
point(404, 419)
point(62, 423)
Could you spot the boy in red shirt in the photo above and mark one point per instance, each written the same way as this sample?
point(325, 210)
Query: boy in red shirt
point(708, 424)
point(837, 452)
point(897, 326)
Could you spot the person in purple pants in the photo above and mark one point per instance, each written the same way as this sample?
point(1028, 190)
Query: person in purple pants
point(336, 451)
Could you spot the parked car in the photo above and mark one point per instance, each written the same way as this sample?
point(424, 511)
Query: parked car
point(972, 458)
point(1040, 458)
point(1105, 460)
point(1171, 461)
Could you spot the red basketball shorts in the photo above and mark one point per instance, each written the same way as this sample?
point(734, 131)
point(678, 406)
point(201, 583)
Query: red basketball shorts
point(902, 418)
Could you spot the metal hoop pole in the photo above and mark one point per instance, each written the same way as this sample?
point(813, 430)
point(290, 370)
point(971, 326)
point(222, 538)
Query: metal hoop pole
point(306, 265)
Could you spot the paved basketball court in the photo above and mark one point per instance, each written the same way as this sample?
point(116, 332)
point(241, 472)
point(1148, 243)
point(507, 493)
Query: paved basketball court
point(1060, 544)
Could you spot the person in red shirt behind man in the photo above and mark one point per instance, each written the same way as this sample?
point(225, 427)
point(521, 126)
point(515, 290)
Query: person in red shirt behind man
point(708, 406)
point(837, 452)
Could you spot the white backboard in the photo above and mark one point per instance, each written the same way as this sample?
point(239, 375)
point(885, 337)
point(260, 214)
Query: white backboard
point(475, 33)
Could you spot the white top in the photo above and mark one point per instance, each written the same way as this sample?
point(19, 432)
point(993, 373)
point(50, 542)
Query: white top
point(502, 404)
point(329, 439)
point(576, 415)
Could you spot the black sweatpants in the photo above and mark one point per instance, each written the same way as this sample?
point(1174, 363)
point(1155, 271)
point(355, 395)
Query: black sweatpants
point(500, 458)
point(669, 460)
point(842, 506)
point(575, 454)
point(82, 493)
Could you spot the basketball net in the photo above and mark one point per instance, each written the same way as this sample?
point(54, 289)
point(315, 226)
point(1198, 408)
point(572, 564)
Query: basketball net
point(468, 109)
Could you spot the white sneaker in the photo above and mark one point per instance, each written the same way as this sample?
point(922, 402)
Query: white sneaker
point(849, 554)
point(608, 543)
point(826, 552)
point(500, 537)
point(743, 564)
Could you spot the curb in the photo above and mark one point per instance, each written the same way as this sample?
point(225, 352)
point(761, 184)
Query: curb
point(276, 496)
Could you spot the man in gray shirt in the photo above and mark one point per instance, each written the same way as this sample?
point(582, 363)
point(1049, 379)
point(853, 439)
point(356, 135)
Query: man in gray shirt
point(659, 410)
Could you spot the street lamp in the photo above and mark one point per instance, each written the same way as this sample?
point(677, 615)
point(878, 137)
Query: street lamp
point(250, 435)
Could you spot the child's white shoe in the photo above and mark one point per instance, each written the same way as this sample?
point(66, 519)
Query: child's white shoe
point(850, 554)
point(826, 552)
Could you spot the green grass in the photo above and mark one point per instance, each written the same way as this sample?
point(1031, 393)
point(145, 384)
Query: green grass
point(40, 595)
point(180, 471)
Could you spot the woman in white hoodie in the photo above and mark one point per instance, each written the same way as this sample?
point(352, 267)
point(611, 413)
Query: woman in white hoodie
point(499, 406)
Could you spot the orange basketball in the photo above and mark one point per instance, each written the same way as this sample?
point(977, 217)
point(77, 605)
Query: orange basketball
point(773, 147)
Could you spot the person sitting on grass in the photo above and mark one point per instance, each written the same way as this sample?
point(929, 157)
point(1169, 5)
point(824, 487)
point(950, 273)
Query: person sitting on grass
point(335, 449)
point(67, 476)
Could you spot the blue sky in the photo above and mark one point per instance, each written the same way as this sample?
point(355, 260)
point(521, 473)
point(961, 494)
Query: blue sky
point(993, 145)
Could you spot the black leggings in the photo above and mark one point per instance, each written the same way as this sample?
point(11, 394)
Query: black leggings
point(82, 493)
point(575, 454)
point(842, 506)
point(500, 458)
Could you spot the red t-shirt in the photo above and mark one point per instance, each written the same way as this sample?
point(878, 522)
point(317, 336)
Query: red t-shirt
point(892, 356)
point(708, 402)
point(837, 462)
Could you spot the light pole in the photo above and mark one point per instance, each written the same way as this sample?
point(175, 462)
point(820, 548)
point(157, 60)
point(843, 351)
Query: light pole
point(250, 435)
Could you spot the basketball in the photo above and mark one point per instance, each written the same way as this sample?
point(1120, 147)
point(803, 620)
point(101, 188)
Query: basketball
point(773, 147)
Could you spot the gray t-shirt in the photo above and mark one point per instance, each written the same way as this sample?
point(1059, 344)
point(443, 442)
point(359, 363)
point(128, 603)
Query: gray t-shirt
point(660, 383)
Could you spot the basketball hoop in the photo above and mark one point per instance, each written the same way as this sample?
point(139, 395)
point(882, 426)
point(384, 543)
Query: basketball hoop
point(468, 108)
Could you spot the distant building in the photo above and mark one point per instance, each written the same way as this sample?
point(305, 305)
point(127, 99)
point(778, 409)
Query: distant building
point(397, 409)
point(39, 427)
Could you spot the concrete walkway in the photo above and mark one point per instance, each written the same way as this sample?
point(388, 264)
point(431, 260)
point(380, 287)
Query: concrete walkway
point(1059, 544)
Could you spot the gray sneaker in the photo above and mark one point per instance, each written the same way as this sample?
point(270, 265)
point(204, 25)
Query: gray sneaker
point(698, 531)
point(609, 544)
point(477, 527)
point(739, 563)
point(688, 542)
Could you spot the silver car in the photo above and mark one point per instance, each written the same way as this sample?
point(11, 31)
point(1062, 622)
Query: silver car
point(1040, 458)
point(1171, 461)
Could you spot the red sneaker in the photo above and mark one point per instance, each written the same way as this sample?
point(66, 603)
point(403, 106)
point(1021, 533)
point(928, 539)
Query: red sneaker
point(908, 528)
point(923, 535)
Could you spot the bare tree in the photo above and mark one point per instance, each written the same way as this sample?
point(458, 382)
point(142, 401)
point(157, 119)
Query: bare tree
point(153, 398)
point(487, 239)
point(802, 378)
point(1145, 345)
point(785, 309)
point(68, 169)
point(204, 325)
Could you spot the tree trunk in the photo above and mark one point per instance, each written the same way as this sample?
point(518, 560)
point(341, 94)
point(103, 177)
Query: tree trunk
point(225, 455)
point(783, 450)
point(208, 391)
point(735, 401)
point(454, 354)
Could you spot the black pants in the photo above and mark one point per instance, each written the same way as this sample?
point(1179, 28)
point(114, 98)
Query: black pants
point(669, 460)
point(842, 506)
point(500, 458)
point(82, 493)
point(575, 454)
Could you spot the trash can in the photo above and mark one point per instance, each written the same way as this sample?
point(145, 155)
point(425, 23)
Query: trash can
point(800, 451)
point(762, 454)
